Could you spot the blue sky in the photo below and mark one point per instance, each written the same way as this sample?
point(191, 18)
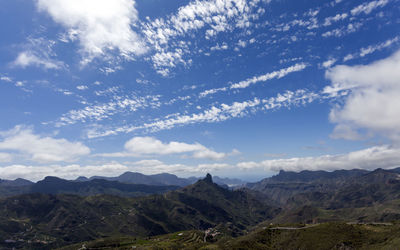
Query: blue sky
point(232, 87)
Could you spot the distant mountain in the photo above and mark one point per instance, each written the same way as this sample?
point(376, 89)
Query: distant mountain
point(138, 178)
point(82, 178)
point(83, 187)
point(281, 187)
point(15, 183)
point(307, 176)
point(54, 185)
point(128, 184)
point(373, 196)
point(162, 179)
point(64, 219)
point(14, 187)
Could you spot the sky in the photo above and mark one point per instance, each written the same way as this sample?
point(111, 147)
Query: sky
point(236, 88)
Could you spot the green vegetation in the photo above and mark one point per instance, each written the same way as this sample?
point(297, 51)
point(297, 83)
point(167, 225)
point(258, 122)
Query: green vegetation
point(320, 236)
point(323, 236)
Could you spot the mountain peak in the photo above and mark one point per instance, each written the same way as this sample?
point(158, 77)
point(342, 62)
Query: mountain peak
point(208, 178)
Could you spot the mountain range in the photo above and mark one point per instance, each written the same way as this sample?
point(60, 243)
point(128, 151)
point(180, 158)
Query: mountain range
point(56, 212)
point(51, 221)
point(128, 184)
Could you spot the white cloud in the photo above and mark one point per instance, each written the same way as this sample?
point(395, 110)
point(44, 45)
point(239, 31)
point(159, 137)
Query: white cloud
point(339, 32)
point(6, 78)
point(144, 146)
point(36, 173)
point(38, 52)
point(41, 149)
point(372, 48)
point(82, 87)
point(19, 84)
point(212, 91)
point(220, 113)
point(213, 114)
point(255, 79)
point(338, 17)
point(329, 63)
point(262, 78)
point(291, 98)
point(223, 46)
point(101, 111)
point(374, 100)
point(99, 25)
point(368, 7)
point(204, 18)
point(371, 158)
point(28, 58)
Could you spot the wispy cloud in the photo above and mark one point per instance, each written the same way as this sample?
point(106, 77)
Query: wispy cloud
point(372, 48)
point(211, 17)
point(219, 113)
point(117, 104)
point(214, 114)
point(261, 78)
point(38, 52)
point(368, 7)
point(340, 32)
point(339, 17)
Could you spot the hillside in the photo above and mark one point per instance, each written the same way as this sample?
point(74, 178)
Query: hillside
point(321, 236)
point(370, 196)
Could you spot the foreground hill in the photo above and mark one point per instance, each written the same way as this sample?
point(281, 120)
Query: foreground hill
point(321, 236)
point(51, 221)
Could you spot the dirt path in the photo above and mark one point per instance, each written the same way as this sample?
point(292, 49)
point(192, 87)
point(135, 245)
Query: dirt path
point(294, 228)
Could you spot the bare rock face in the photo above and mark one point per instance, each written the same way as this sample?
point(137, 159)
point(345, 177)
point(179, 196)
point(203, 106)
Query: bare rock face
point(208, 178)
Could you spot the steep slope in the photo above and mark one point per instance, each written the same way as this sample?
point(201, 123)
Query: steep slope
point(280, 188)
point(374, 196)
